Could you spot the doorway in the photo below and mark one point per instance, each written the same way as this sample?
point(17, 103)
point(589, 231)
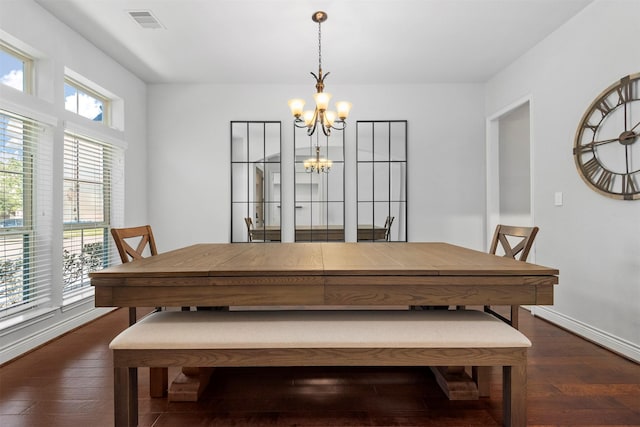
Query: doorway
point(509, 169)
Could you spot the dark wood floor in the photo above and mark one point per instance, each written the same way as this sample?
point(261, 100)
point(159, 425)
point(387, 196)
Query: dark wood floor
point(69, 383)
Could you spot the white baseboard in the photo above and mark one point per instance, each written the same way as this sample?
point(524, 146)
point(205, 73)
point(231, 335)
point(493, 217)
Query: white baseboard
point(45, 335)
point(604, 339)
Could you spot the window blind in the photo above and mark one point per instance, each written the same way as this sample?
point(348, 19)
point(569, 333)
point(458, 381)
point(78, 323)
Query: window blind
point(93, 201)
point(25, 213)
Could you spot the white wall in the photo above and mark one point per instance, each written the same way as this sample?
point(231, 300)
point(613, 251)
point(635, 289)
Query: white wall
point(31, 28)
point(189, 169)
point(592, 239)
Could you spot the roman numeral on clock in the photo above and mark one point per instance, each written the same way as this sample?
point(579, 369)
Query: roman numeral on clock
point(605, 181)
point(583, 149)
point(628, 185)
point(604, 107)
point(591, 168)
point(592, 128)
point(625, 93)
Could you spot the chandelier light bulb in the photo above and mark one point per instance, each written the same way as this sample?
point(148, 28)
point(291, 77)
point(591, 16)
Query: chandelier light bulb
point(322, 100)
point(308, 164)
point(343, 107)
point(309, 117)
point(329, 118)
point(296, 106)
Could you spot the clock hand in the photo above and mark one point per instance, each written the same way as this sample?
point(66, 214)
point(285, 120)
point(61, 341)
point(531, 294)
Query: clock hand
point(626, 157)
point(597, 143)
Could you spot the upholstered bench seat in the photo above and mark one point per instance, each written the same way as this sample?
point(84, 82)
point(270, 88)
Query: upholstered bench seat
point(322, 329)
point(320, 338)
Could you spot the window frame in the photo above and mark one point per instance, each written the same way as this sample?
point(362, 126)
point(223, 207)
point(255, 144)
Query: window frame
point(28, 66)
point(85, 89)
point(33, 262)
point(82, 288)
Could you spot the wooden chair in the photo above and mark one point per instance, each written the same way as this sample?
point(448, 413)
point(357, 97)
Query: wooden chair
point(142, 238)
point(249, 222)
point(143, 234)
point(516, 243)
point(387, 227)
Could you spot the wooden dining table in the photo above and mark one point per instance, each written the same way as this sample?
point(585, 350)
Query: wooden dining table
point(320, 275)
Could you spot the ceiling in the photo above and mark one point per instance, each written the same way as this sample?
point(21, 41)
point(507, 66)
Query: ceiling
point(275, 41)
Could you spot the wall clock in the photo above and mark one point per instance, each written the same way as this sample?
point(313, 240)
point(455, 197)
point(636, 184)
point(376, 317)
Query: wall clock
point(607, 148)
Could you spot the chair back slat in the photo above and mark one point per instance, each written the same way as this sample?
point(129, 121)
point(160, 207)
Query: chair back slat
point(524, 237)
point(123, 237)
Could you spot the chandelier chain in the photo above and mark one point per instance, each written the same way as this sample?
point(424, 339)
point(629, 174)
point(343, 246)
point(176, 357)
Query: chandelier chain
point(320, 46)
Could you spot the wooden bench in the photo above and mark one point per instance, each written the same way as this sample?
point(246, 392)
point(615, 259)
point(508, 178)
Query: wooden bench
point(320, 338)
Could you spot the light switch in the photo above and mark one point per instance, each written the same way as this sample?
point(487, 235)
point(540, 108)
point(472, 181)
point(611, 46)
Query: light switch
point(558, 198)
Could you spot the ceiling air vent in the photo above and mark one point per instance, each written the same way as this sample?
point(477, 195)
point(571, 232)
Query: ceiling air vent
point(145, 19)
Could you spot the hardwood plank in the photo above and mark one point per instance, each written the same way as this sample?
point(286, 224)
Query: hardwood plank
point(195, 260)
point(273, 258)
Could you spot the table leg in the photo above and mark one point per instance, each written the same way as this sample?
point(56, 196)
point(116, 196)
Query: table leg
point(189, 384)
point(482, 377)
point(455, 382)
point(158, 382)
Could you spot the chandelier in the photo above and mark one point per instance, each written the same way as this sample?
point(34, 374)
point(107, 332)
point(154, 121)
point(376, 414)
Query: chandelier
point(320, 116)
point(317, 164)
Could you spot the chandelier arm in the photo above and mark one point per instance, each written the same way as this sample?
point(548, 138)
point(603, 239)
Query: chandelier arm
point(299, 123)
point(312, 129)
point(339, 125)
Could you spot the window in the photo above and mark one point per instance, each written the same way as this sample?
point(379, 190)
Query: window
point(89, 167)
point(85, 102)
point(382, 179)
point(25, 185)
point(15, 68)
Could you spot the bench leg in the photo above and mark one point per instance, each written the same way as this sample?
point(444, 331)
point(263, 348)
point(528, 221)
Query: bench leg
point(125, 397)
point(514, 395)
point(482, 377)
point(158, 382)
